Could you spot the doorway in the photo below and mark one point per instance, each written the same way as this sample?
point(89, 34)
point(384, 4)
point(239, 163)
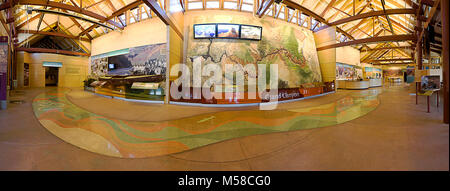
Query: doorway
point(51, 76)
point(26, 75)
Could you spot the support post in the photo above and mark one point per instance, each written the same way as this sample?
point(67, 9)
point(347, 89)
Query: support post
point(4, 52)
point(445, 58)
point(419, 43)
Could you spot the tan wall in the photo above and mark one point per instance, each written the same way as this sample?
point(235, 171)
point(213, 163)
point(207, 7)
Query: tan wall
point(175, 42)
point(71, 74)
point(348, 55)
point(327, 58)
point(176, 13)
point(149, 31)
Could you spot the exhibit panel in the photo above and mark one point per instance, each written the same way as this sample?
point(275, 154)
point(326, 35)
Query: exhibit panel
point(201, 85)
point(133, 69)
point(32, 67)
point(393, 74)
point(374, 75)
point(134, 73)
point(242, 40)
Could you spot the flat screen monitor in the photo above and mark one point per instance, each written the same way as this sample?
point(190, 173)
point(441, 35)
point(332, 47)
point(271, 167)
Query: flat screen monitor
point(228, 31)
point(250, 32)
point(204, 31)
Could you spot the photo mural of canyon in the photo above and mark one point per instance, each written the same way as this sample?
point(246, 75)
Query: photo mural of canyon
point(290, 46)
point(142, 60)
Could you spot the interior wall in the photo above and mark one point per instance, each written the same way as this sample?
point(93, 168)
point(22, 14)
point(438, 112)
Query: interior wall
point(149, 31)
point(289, 46)
point(348, 55)
point(72, 73)
point(327, 58)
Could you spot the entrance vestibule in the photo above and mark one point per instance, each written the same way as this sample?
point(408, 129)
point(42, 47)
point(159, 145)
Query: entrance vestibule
point(51, 76)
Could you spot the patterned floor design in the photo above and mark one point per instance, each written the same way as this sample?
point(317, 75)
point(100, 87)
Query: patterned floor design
point(131, 139)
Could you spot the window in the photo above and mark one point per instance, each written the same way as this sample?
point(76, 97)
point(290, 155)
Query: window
point(294, 19)
point(212, 4)
point(122, 19)
point(135, 13)
point(313, 23)
point(195, 5)
point(132, 20)
point(229, 5)
point(247, 7)
point(281, 15)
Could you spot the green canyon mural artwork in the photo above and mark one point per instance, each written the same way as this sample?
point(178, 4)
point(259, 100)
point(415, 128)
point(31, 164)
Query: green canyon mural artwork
point(291, 47)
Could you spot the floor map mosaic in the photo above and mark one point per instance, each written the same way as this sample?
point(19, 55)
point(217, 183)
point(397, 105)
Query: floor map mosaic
point(133, 139)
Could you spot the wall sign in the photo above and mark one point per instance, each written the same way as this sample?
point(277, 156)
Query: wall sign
point(52, 64)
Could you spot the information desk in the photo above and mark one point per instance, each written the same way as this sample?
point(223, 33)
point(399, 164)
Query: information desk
point(375, 82)
point(353, 85)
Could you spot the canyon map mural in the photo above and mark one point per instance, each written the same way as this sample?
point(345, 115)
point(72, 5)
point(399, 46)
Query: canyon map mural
point(291, 47)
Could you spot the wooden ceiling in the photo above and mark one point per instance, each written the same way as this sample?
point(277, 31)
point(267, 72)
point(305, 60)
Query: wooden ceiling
point(356, 20)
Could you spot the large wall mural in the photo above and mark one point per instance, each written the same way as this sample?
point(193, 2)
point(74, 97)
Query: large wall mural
point(99, 67)
point(143, 60)
point(291, 47)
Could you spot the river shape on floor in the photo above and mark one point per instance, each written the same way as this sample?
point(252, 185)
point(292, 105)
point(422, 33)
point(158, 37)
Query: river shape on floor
point(132, 139)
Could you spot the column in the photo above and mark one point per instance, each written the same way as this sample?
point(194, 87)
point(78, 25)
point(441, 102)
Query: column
point(445, 58)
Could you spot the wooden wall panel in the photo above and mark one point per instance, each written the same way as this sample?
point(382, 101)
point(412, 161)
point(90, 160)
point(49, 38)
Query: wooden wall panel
point(327, 58)
point(71, 74)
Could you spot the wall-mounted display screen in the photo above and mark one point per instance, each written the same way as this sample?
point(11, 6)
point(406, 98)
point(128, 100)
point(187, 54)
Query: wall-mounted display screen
point(205, 31)
point(121, 65)
point(227, 31)
point(251, 32)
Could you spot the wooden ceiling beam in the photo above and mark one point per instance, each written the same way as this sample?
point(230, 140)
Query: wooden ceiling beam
point(386, 48)
point(54, 51)
point(89, 6)
point(373, 14)
point(125, 8)
point(115, 14)
point(263, 7)
point(327, 8)
point(69, 8)
point(391, 60)
point(154, 6)
point(370, 40)
point(86, 31)
point(111, 5)
point(78, 25)
point(53, 34)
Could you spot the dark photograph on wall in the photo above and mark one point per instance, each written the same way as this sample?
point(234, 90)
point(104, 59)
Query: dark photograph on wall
point(204, 31)
point(251, 32)
point(430, 82)
point(227, 31)
point(121, 65)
